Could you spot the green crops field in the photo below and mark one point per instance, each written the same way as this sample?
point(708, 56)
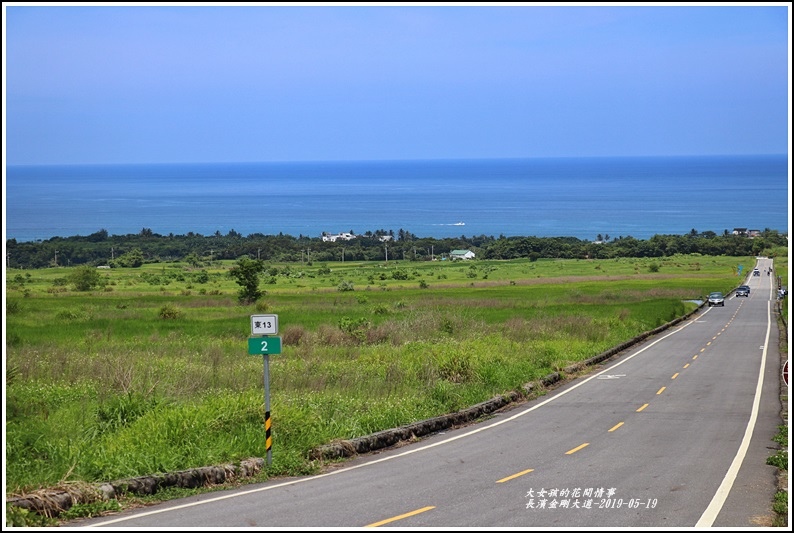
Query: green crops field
point(149, 371)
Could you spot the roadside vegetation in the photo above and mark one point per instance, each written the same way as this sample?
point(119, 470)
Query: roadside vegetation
point(123, 372)
point(780, 458)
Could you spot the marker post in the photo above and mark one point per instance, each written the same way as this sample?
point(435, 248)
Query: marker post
point(265, 344)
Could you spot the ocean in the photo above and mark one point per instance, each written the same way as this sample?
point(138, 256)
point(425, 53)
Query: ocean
point(543, 197)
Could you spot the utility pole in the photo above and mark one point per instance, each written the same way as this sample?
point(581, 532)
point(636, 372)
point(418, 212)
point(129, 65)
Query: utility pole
point(56, 257)
point(386, 246)
point(257, 253)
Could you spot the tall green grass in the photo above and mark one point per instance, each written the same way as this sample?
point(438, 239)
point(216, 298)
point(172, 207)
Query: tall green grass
point(150, 373)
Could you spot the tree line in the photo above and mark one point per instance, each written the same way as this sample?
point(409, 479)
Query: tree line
point(131, 250)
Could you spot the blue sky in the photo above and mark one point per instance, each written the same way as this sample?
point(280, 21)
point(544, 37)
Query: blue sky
point(156, 84)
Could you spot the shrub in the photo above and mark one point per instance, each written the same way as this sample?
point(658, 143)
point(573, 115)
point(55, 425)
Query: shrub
point(170, 312)
point(72, 314)
point(293, 335)
point(356, 328)
point(84, 278)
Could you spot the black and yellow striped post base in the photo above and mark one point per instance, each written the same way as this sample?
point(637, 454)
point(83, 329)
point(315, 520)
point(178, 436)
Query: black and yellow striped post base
point(268, 439)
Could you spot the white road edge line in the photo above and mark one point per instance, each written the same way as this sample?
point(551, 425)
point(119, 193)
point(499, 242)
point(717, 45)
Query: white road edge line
point(714, 508)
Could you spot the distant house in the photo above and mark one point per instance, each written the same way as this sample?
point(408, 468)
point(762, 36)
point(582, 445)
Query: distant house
point(754, 232)
point(338, 236)
point(385, 238)
point(461, 254)
point(740, 231)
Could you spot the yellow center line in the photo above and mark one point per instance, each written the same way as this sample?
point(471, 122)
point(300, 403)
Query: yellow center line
point(694, 356)
point(508, 478)
point(686, 365)
point(643, 407)
point(400, 517)
point(616, 426)
point(569, 452)
point(702, 350)
point(658, 392)
point(674, 375)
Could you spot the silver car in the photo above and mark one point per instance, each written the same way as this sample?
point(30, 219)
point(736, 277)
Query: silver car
point(716, 298)
point(742, 290)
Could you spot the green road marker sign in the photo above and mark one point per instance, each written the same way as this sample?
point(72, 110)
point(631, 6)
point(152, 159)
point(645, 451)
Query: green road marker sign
point(264, 345)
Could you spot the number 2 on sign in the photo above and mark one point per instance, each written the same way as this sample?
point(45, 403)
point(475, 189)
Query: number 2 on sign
point(264, 346)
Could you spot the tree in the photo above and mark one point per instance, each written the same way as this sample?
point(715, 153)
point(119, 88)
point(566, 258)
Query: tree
point(132, 259)
point(246, 274)
point(84, 278)
point(99, 236)
point(192, 259)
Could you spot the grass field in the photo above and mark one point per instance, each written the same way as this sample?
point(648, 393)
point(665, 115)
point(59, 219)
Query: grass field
point(149, 372)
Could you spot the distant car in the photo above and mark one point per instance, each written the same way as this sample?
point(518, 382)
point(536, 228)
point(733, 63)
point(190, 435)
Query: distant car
point(742, 290)
point(756, 272)
point(716, 298)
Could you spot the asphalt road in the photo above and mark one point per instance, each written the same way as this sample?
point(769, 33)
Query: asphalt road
point(673, 433)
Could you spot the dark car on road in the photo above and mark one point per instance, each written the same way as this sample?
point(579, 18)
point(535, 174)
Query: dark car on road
point(742, 290)
point(716, 298)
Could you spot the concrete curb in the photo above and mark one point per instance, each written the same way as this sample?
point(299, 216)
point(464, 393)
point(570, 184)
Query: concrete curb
point(52, 502)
